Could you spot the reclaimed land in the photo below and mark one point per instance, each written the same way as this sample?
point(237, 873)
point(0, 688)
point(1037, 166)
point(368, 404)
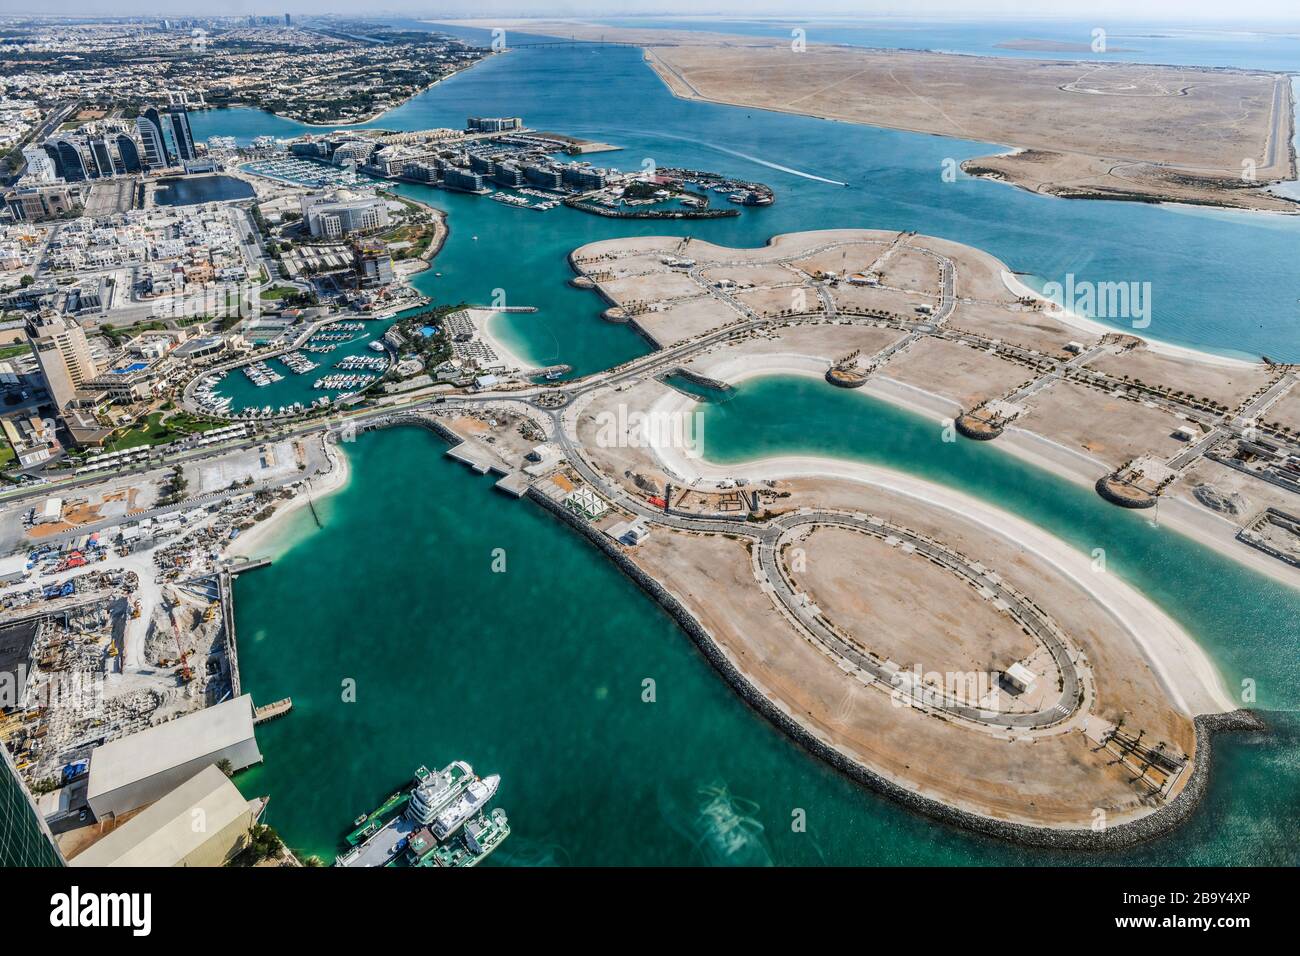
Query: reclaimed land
point(1129, 131)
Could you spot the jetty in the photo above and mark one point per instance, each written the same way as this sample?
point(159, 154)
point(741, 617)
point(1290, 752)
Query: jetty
point(272, 710)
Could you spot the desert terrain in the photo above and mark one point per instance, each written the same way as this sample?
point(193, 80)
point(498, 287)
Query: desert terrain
point(1073, 129)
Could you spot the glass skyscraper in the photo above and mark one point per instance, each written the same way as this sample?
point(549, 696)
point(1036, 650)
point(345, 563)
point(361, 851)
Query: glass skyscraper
point(25, 840)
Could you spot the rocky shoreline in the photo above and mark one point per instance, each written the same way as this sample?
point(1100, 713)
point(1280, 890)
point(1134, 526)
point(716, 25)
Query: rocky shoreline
point(1167, 818)
point(1111, 838)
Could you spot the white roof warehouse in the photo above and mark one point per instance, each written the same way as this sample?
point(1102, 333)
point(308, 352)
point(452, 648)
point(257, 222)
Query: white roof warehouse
point(138, 769)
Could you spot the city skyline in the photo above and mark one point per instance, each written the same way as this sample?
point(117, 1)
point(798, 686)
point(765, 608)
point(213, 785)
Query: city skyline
point(1258, 12)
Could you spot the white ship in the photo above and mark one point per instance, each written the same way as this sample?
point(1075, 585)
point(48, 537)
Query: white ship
point(473, 800)
point(433, 793)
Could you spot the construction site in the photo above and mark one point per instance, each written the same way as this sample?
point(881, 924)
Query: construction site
point(105, 638)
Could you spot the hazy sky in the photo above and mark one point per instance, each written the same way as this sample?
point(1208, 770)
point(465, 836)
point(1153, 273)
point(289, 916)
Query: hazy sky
point(1173, 11)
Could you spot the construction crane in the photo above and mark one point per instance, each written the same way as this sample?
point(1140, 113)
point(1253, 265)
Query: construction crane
point(186, 674)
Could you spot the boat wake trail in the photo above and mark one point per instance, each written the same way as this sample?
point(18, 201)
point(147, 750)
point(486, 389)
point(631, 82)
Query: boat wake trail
point(731, 152)
point(778, 166)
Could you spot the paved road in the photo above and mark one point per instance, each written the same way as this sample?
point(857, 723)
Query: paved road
point(1198, 448)
point(1266, 400)
point(768, 536)
point(1244, 419)
point(1055, 374)
point(1026, 614)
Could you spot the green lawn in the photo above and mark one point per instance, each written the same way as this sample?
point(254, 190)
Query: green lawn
point(278, 292)
point(148, 432)
point(183, 421)
point(13, 351)
point(7, 456)
point(153, 431)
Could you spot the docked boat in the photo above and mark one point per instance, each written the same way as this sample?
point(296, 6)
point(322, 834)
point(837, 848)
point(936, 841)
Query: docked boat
point(481, 836)
point(473, 800)
point(417, 825)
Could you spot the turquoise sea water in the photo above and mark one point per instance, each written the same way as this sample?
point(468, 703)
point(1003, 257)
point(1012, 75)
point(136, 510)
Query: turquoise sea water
point(1220, 280)
point(537, 673)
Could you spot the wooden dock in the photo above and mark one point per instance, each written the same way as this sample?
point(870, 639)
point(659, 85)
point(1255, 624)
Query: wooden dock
point(271, 711)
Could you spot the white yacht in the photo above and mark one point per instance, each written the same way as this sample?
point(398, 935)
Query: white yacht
point(473, 800)
point(434, 792)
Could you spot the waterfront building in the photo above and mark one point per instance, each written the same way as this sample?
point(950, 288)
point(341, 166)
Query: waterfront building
point(140, 768)
point(62, 354)
point(493, 124)
point(164, 834)
point(354, 151)
point(421, 172)
point(201, 349)
point(584, 501)
point(508, 175)
point(584, 177)
point(182, 136)
point(343, 213)
point(312, 148)
point(543, 177)
point(459, 178)
point(150, 129)
point(392, 160)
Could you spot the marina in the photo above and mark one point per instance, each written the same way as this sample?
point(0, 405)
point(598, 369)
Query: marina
point(261, 374)
point(364, 363)
point(297, 363)
point(305, 172)
point(1144, 220)
point(337, 382)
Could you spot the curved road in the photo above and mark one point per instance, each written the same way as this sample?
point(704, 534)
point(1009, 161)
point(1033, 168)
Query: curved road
point(768, 536)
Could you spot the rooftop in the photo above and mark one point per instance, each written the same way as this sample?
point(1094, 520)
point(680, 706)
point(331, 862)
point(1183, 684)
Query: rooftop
point(164, 833)
point(138, 756)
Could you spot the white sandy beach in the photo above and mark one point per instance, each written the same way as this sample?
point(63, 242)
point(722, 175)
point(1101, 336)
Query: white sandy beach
point(266, 539)
point(1193, 521)
point(484, 320)
point(1093, 327)
point(1187, 673)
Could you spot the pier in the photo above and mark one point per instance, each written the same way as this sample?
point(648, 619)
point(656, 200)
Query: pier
point(271, 711)
point(226, 596)
point(249, 565)
point(227, 599)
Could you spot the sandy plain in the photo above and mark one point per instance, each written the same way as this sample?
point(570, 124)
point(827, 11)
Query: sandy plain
point(1075, 129)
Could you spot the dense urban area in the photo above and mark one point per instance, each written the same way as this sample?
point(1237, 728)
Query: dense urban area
point(192, 328)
